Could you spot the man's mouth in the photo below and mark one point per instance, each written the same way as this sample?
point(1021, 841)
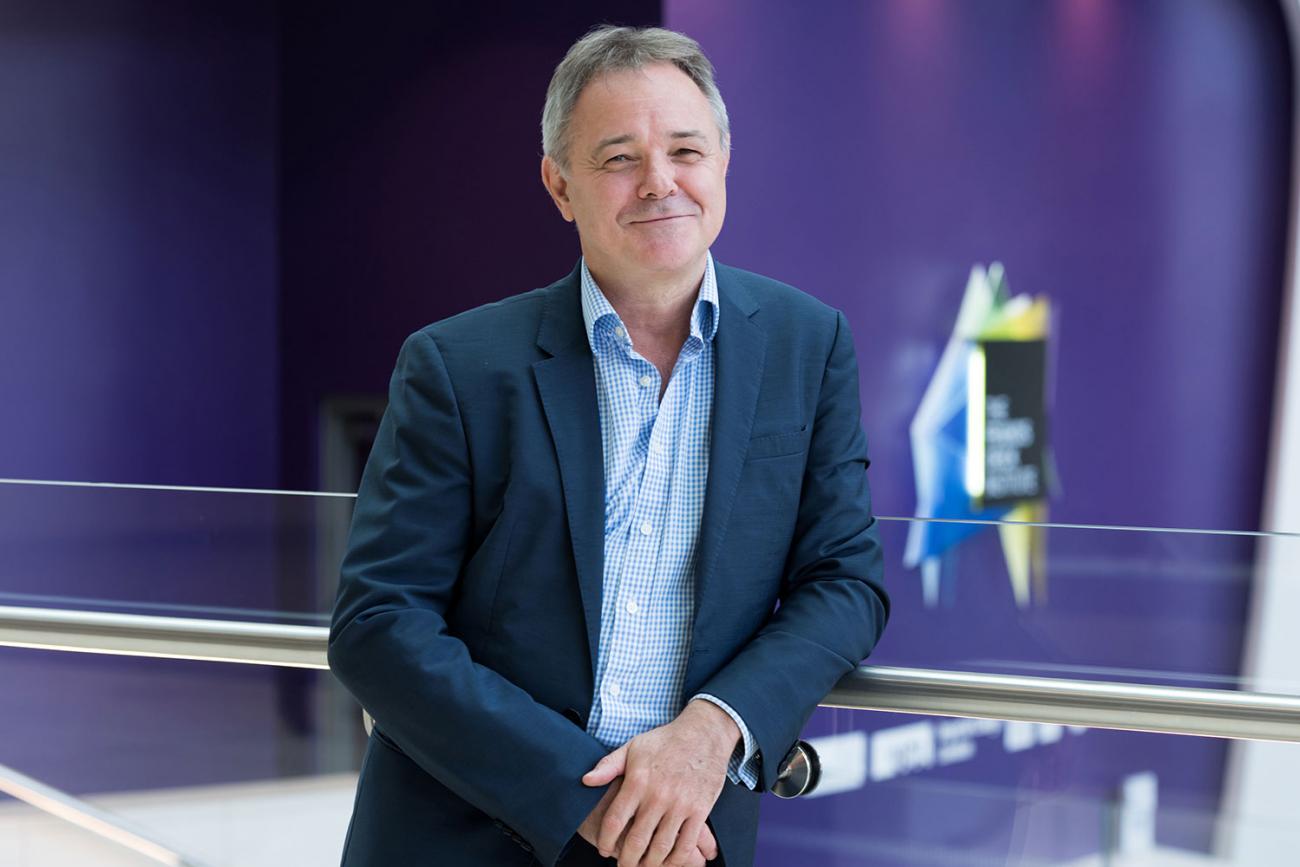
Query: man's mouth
point(664, 218)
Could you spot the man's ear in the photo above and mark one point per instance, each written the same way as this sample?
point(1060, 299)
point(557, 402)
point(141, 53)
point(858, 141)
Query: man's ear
point(558, 186)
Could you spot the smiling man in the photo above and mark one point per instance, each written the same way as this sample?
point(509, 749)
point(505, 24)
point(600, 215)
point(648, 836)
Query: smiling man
point(584, 504)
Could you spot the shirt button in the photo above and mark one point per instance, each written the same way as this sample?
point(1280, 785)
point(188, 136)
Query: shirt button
point(657, 448)
point(615, 689)
point(620, 332)
point(646, 380)
point(633, 608)
point(646, 528)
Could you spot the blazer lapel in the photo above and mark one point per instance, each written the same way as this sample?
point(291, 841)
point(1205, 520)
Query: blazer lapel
point(567, 384)
point(739, 349)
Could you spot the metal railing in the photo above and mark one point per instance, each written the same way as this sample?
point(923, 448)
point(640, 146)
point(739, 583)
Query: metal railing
point(1097, 704)
point(164, 637)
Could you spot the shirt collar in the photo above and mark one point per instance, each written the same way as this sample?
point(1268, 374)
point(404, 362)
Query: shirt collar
point(596, 307)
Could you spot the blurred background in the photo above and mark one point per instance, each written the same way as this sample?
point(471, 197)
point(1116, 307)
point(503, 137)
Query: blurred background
point(219, 220)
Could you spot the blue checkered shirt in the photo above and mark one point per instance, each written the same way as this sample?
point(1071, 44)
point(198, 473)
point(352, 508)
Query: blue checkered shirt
point(656, 467)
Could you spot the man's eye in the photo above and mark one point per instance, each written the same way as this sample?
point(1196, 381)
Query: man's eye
point(619, 158)
point(686, 152)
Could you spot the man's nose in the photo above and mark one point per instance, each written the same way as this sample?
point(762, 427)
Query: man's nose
point(658, 178)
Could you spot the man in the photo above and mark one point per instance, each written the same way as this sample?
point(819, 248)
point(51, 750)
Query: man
point(584, 503)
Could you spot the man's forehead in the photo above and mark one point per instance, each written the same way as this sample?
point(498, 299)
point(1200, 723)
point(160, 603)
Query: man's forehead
point(613, 106)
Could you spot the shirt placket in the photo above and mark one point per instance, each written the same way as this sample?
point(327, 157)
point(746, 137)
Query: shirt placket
point(644, 604)
point(609, 710)
point(643, 540)
point(671, 600)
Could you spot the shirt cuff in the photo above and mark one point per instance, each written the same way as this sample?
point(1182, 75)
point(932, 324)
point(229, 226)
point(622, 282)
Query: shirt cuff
point(745, 761)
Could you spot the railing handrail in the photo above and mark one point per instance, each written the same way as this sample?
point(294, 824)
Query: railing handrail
point(1096, 704)
point(1178, 710)
point(277, 644)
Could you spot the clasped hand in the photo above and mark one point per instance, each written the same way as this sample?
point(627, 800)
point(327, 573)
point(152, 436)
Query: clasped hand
point(662, 786)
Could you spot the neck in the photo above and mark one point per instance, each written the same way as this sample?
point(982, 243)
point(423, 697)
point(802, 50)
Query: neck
point(654, 303)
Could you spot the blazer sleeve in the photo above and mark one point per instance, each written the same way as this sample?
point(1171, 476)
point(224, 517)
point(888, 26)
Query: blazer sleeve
point(833, 606)
point(480, 735)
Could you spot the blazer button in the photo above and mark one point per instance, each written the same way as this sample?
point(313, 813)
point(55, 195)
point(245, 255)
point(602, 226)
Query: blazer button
point(572, 715)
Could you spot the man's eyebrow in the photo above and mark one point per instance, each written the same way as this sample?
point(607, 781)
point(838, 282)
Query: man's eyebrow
point(612, 140)
point(627, 137)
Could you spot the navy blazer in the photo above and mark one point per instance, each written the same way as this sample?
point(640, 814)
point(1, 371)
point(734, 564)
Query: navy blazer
point(468, 617)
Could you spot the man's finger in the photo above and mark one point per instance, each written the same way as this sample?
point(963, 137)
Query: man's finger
point(665, 841)
point(608, 768)
point(617, 819)
point(694, 859)
point(589, 830)
point(708, 845)
point(639, 835)
point(689, 839)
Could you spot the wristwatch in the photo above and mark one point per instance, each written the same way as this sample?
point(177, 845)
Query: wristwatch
point(799, 772)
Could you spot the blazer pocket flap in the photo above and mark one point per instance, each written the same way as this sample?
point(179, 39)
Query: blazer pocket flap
point(785, 443)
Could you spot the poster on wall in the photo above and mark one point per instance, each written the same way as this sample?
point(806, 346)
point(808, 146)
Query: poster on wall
point(980, 445)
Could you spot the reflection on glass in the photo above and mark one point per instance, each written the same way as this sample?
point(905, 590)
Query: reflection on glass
point(1145, 606)
point(907, 790)
point(234, 556)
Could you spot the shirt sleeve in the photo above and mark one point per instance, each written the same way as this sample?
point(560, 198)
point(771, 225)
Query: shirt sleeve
point(745, 761)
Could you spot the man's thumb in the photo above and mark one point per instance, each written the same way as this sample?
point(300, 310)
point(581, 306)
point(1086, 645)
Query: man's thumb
point(607, 769)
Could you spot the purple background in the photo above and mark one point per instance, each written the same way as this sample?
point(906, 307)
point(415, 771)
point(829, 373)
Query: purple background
point(138, 259)
point(213, 217)
point(138, 274)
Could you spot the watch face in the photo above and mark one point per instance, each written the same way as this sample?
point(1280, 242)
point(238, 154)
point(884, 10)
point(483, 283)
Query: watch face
point(798, 772)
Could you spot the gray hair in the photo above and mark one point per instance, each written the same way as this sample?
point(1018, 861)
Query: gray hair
point(609, 49)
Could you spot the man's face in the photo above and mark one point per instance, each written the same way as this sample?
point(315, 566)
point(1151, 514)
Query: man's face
point(646, 181)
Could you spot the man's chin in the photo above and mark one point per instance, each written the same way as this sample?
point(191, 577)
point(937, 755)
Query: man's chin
point(671, 261)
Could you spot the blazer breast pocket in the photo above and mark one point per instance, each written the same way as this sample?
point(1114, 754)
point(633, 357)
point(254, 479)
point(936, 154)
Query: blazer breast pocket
point(774, 445)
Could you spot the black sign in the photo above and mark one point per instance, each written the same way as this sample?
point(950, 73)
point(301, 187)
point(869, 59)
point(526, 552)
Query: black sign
point(1015, 421)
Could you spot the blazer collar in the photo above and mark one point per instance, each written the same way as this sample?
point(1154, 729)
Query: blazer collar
point(561, 331)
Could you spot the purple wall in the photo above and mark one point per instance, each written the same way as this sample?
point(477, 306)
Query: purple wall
point(138, 281)
point(138, 243)
point(1131, 161)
